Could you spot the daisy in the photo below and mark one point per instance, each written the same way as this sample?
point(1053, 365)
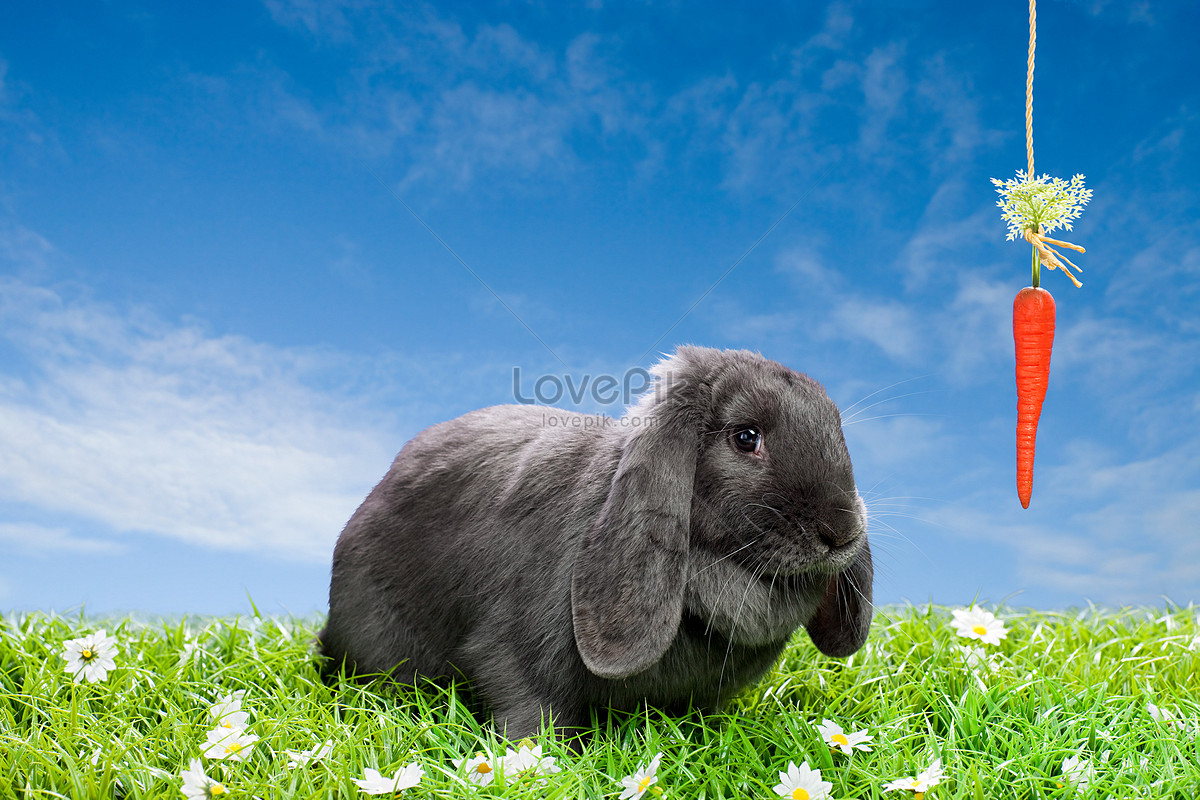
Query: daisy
point(923, 782)
point(1162, 715)
point(90, 657)
point(1078, 772)
point(192, 651)
point(1168, 718)
point(479, 769)
point(197, 785)
point(526, 758)
point(977, 658)
point(302, 758)
point(227, 712)
point(975, 623)
point(222, 743)
point(837, 738)
point(375, 783)
point(637, 783)
point(802, 783)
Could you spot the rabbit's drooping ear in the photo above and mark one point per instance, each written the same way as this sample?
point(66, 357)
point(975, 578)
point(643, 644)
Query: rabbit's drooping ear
point(840, 625)
point(627, 587)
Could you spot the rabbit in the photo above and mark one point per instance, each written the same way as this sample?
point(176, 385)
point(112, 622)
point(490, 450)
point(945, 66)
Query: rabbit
point(589, 563)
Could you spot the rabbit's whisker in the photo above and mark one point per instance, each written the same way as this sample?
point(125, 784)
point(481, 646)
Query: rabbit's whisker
point(753, 578)
point(722, 558)
point(888, 416)
point(865, 409)
point(772, 509)
point(853, 405)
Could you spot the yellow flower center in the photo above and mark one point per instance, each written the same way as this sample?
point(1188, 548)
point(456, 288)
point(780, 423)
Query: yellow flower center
point(979, 629)
point(236, 747)
point(483, 768)
point(216, 790)
point(800, 793)
point(839, 738)
point(87, 654)
point(644, 782)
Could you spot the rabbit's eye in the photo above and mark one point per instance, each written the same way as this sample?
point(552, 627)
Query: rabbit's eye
point(748, 440)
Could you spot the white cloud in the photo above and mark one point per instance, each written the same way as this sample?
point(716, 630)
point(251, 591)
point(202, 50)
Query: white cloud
point(804, 262)
point(832, 36)
point(24, 138)
point(975, 329)
point(949, 92)
point(42, 540)
point(1123, 531)
point(890, 325)
point(133, 424)
point(20, 245)
point(476, 128)
point(320, 18)
point(884, 85)
point(944, 238)
point(451, 105)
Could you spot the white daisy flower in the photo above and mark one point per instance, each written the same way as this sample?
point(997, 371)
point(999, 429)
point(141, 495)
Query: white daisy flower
point(375, 783)
point(1160, 714)
point(526, 758)
point(1168, 718)
point(1078, 772)
point(978, 658)
point(835, 737)
point(227, 712)
point(923, 782)
point(90, 657)
point(976, 623)
point(228, 743)
point(802, 783)
point(302, 758)
point(197, 785)
point(191, 651)
point(641, 780)
point(479, 769)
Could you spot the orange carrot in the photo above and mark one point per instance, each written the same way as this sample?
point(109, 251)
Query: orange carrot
point(1033, 334)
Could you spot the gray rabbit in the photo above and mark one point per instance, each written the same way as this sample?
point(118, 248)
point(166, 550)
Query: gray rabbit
point(665, 557)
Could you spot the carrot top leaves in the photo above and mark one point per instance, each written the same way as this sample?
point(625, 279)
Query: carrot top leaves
point(1034, 207)
point(1043, 202)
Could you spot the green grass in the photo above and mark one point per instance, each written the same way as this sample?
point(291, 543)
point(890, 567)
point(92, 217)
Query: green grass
point(1066, 684)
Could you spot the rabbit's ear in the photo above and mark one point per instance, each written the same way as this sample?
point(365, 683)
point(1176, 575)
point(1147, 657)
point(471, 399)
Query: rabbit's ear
point(628, 582)
point(840, 625)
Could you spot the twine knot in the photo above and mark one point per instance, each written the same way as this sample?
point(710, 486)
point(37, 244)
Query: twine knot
point(1051, 257)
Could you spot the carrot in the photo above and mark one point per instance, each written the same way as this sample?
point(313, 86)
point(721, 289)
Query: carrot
point(1033, 335)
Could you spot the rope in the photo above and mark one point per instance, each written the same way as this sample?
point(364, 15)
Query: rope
point(1029, 88)
point(1050, 256)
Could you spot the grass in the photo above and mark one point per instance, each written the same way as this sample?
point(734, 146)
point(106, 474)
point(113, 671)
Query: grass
point(1060, 685)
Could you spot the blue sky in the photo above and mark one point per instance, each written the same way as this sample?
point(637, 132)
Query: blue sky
point(218, 321)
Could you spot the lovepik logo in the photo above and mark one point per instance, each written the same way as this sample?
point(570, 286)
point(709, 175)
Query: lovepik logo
point(604, 389)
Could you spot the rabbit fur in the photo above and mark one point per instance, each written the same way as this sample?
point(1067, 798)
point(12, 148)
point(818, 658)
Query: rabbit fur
point(650, 559)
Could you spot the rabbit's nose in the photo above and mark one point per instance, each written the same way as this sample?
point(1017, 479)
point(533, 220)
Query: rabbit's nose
point(840, 528)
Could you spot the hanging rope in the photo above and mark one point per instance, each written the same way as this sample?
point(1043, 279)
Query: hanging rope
point(1050, 257)
point(1029, 87)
